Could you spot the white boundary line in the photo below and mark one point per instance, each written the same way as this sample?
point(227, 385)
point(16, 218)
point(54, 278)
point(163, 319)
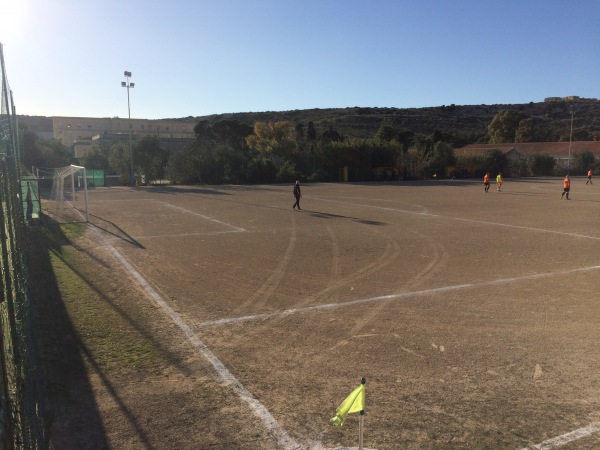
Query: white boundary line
point(567, 438)
point(379, 298)
point(483, 222)
point(235, 229)
point(162, 236)
point(284, 440)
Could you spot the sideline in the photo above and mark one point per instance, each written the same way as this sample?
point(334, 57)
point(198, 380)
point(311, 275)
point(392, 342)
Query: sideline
point(283, 438)
point(483, 222)
point(380, 298)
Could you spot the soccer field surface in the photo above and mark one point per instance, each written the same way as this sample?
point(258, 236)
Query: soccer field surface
point(474, 316)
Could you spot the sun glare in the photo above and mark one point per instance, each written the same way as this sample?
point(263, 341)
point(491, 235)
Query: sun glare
point(12, 13)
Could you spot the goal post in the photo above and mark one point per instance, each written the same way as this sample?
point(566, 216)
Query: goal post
point(65, 201)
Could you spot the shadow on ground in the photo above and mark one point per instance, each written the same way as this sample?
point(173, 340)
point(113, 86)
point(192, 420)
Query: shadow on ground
point(72, 417)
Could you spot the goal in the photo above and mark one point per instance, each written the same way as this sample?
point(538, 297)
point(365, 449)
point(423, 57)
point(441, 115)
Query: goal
point(68, 200)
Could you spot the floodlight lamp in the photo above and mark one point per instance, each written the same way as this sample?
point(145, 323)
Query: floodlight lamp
point(127, 74)
point(123, 84)
point(131, 84)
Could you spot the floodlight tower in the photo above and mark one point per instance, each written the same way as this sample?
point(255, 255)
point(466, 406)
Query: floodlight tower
point(570, 140)
point(127, 84)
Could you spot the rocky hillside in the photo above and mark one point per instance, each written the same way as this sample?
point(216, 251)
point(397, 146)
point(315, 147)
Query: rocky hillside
point(363, 122)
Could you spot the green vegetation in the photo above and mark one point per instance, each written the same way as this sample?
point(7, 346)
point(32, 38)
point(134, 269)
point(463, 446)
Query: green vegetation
point(314, 144)
point(74, 313)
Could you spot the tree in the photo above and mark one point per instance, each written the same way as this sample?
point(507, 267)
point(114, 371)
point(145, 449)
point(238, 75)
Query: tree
point(504, 125)
point(311, 133)
point(231, 131)
point(150, 158)
point(261, 170)
point(583, 161)
point(386, 132)
point(540, 165)
point(527, 131)
point(300, 134)
point(272, 139)
point(356, 154)
point(119, 161)
point(228, 163)
point(382, 156)
point(95, 158)
point(203, 131)
point(443, 156)
point(330, 135)
point(495, 161)
point(184, 166)
point(421, 160)
point(406, 138)
point(42, 152)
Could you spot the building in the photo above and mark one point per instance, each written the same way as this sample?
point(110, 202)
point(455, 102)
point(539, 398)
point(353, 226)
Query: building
point(70, 129)
point(81, 133)
point(517, 152)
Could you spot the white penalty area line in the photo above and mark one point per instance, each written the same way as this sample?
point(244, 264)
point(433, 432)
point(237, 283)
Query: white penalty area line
point(284, 440)
point(403, 295)
point(567, 438)
point(234, 228)
point(162, 236)
point(483, 222)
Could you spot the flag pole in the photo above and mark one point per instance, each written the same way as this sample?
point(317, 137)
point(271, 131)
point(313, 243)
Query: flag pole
point(360, 430)
point(361, 421)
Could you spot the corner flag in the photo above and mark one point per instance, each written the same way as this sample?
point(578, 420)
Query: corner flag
point(355, 402)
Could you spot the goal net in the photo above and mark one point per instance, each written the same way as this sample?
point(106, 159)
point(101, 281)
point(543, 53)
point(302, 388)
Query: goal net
point(68, 200)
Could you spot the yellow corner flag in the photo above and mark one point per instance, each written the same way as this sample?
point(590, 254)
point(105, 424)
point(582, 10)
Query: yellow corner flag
point(355, 402)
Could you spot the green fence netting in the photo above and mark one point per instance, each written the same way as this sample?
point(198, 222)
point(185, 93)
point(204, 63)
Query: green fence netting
point(21, 411)
point(95, 178)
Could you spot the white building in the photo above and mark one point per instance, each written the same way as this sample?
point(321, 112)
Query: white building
point(68, 130)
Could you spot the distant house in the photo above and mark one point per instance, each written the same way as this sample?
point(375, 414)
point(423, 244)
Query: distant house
point(517, 152)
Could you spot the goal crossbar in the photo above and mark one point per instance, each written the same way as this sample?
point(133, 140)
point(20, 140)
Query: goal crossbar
point(59, 193)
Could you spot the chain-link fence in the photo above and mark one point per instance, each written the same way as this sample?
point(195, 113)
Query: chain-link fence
point(21, 412)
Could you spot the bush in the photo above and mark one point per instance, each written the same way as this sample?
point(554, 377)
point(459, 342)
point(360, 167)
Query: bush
point(261, 171)
point(287, 172)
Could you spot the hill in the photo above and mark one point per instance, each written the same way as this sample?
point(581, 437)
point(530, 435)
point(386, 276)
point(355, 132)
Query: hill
point(362, 122)
point(471, 121)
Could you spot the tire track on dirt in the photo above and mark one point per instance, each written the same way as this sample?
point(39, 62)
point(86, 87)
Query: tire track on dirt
point(335, 255)
point(439, 258)
point(266, 290)
point(261, 296)
point(389, 256)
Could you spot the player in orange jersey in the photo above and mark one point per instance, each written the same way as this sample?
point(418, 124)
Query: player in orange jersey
point(486, 182)
point(566, 187)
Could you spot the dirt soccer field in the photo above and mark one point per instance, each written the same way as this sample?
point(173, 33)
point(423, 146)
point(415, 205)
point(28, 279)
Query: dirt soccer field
point(475, 317)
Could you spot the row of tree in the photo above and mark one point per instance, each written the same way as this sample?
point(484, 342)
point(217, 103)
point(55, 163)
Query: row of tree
point(515, 126)
point(231, 152)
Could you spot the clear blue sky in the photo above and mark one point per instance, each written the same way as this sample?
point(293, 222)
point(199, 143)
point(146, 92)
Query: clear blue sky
point(200, 57)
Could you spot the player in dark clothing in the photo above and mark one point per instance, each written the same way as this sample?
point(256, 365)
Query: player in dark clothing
point(297, 195)
point(29, 205)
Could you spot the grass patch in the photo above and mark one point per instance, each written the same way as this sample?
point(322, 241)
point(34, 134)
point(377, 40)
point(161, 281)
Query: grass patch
point(76, 294)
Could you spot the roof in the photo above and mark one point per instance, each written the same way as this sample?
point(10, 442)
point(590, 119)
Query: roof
point(549, 148)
